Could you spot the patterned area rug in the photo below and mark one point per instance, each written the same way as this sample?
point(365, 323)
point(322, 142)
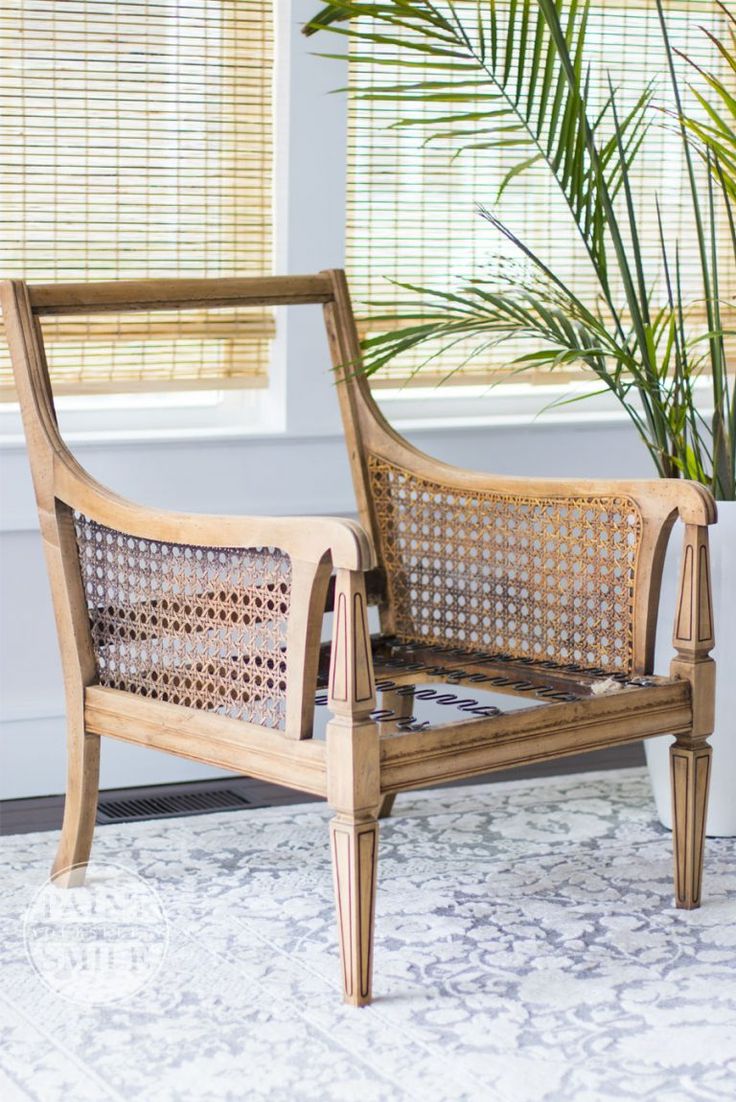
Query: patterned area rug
point(527, 951)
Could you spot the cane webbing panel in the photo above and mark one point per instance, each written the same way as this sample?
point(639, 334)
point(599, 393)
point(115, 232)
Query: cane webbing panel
point(137, 142)
point(196, 626)
point(539, 578)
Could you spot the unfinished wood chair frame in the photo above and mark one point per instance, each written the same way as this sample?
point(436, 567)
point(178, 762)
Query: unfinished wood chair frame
point(361, 765)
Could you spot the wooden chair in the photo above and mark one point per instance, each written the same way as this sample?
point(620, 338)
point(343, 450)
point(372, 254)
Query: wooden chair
point(200, 635)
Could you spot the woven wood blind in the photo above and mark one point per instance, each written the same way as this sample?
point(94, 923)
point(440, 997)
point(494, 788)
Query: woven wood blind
point(137, 143)
point(413, 209)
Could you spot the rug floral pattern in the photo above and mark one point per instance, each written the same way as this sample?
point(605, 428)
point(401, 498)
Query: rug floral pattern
point(527, 951)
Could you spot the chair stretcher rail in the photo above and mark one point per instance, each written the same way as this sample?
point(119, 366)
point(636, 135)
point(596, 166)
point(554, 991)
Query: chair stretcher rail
point(206, 737)
point(451, 752)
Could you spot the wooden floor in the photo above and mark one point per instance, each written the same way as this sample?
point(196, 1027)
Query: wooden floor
point(44, 812)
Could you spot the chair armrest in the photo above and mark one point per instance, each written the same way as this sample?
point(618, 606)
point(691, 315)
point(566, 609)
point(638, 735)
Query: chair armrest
point(304, 538)
point(693, 502)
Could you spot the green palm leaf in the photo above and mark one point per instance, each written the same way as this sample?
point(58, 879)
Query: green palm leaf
point(512, 78)
point(518, 96)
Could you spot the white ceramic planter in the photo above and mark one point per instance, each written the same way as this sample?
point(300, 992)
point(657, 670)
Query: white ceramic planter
point(722, 803)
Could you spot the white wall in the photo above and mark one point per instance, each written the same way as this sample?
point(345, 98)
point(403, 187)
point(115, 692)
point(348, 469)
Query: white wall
point(299, 465)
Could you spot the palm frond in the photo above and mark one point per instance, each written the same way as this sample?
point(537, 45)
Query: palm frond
point(513, 79)
point(508, 78)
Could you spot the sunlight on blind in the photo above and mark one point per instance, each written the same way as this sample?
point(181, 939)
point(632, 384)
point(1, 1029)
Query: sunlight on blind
point(413, 210)
point(137, 143)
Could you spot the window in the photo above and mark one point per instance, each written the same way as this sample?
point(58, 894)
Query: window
point(137, 143)
point(413, 209)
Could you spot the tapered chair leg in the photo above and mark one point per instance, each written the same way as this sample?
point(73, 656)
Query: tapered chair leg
point(690, 771)
point(80, 808)
point(387, 805)
point(353, 785)
point(690, 755)
point(354, 864)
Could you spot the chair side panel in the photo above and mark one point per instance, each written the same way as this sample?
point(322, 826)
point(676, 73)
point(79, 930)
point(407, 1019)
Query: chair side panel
point(201, 627)
point(541, 578)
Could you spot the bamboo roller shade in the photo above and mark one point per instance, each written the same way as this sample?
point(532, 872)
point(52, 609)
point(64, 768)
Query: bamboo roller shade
point(137, 142)
point(413, 210)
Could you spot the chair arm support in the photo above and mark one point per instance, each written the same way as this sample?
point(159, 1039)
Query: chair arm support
point(694, 636)
point(353, 767)
point(693, 502)
point(663, 496)
point(306, 539)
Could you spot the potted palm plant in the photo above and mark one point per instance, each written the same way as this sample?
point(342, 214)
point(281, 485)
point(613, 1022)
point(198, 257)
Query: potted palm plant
point(515, 77)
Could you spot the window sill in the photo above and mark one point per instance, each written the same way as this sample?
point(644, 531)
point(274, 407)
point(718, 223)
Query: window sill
point(510, 405)
point(519, 419)
point(251, 418)
point(131, 419)
point(131, 437)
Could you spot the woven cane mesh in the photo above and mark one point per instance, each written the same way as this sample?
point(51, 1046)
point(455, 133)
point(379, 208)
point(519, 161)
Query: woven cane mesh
point(201, 627)
point(541, 578)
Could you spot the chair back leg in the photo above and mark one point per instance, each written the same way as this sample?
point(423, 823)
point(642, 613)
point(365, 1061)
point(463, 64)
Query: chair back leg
point(80, 805)
point(387, 805)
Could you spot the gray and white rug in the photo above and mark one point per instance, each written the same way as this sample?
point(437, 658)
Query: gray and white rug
point(527, 951)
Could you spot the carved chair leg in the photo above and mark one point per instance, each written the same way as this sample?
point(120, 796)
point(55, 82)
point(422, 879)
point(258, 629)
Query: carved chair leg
point(690, 755)
point(387, 805)
point(354, 864)
point(80, 808)
point(690, 770)
point(353, 785)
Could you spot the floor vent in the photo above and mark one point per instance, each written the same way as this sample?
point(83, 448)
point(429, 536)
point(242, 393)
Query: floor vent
point(168, 805)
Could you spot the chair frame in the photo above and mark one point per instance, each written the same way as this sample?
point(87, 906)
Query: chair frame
point(358, 769)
